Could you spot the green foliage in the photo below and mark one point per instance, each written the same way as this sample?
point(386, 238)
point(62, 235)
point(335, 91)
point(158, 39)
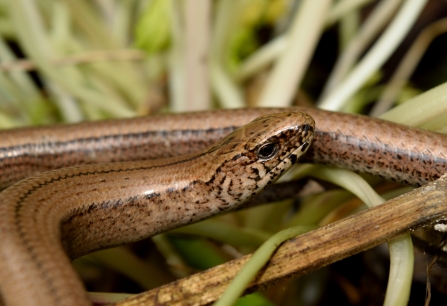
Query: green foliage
point(152, 30)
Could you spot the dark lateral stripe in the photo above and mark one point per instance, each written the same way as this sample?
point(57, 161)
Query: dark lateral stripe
point(119, 138)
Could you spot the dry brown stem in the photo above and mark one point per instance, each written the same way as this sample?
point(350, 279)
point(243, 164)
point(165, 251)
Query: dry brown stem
point(313, 250)
point(78, 59)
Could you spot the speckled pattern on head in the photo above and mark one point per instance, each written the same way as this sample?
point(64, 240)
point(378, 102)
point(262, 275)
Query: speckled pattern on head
point(99, 206)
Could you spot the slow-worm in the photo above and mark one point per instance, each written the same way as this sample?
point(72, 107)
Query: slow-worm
point(132, 200)
point(360, 143)
point(363, 144)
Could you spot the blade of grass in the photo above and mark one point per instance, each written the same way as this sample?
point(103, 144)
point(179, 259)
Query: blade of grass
point(286, 75)
point(378, 54)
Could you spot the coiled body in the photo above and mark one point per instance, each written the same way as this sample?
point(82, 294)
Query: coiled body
point(363, 144)
point(92, 207)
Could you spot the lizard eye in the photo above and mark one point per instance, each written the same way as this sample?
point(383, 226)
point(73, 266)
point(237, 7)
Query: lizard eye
point(267, 151)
